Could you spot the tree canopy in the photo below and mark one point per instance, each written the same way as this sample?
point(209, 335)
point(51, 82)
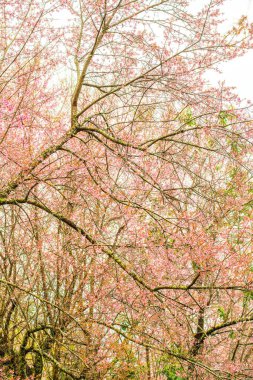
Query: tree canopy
point(125, 193)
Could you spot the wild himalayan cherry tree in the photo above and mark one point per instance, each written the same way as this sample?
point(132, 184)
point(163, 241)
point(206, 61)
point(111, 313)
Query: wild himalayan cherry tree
point(125, 193)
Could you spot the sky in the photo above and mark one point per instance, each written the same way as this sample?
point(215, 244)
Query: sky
point(239, 72)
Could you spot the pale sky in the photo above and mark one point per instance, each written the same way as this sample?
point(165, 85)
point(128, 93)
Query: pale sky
point(239, 72)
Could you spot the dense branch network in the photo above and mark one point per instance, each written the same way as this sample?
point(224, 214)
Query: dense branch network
point(125, 193)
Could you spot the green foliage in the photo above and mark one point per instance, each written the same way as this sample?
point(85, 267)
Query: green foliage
point(170, 242)
point(123, 322)
point(195, 266)
point(223, 314)
point(233, 172)
point(231, 188)
point(247, 209)
point(225, 118)
point(125, 365)
point(187, 117)
point(235, 147)
point(248, 296)
point(171, 372)
point(125, 326)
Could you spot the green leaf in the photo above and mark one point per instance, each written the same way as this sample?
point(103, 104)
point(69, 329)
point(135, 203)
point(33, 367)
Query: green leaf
point(222, 313)
point(187, 117)
point(248, 296)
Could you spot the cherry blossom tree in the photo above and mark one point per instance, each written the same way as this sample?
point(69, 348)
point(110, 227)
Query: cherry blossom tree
point(125, 193)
